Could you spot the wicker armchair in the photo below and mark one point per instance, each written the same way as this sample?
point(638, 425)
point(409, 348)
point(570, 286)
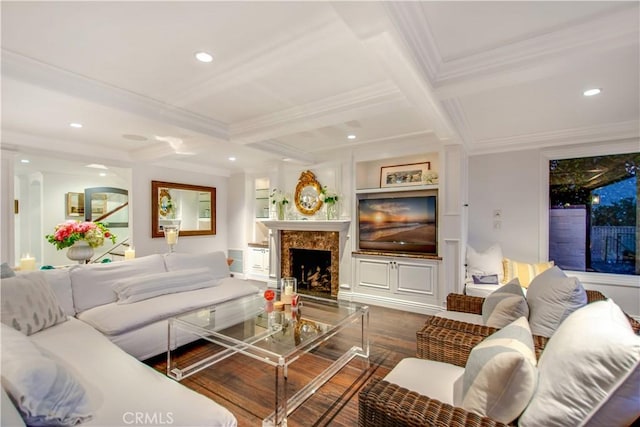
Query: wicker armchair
point(447, 340)
point(382, 403)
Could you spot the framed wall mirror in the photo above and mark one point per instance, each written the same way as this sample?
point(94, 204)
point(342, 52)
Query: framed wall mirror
point(307, 197)
point(194, 206)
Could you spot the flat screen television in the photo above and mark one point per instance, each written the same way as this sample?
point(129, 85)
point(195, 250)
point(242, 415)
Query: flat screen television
point(398, 224)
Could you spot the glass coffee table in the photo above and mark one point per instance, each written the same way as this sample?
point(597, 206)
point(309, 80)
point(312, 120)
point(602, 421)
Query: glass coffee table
point(277, 339)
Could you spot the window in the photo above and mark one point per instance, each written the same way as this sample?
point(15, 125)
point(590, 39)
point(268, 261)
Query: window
point(593, 213)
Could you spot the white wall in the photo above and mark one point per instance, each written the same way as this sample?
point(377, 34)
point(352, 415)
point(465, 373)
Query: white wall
point(140, 195)
point(509, 182)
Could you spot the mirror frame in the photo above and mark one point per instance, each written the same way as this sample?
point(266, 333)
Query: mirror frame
point(155, 187)
point(307, 179)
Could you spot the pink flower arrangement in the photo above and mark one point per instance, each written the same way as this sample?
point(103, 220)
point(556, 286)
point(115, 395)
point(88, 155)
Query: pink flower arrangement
point(67, 233)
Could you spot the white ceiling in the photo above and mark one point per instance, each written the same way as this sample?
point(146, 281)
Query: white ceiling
point(293, 79)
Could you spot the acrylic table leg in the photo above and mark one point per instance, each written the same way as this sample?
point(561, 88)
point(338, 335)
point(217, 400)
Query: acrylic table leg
point(280, 413)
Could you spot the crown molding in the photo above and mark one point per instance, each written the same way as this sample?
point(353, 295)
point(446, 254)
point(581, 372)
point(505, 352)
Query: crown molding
point(44, 75)
point(454, 109)
point(607, 132)
point(327, 111)
point(617, 29)
point(284, 151)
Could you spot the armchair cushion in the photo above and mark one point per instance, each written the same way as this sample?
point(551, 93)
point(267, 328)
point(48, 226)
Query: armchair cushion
point(501, 376)
point(552, 296)
point(504, 305)
point(589, 371)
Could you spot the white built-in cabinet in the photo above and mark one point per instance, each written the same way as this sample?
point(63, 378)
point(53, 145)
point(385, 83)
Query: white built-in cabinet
point(409, 281)
point(258, 263)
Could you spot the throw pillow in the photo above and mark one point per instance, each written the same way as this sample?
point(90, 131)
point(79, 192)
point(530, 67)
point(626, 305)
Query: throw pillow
point(552, 296)
point(29, 304)
point(589, 371)
point(504, 305)
point(523, 271)
point(6, 271)
point(500, 376)
point(491, 279)
point(485, 263)
point(44, 392)
point(139, 288)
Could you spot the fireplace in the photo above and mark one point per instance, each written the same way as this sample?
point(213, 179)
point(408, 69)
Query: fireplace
point(312, 269)
point(316, 245)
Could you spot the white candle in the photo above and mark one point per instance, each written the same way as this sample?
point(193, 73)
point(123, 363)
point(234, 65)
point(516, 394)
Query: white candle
point(288, 290)
point(130, 253)
point(27, 263)
point(172, 237)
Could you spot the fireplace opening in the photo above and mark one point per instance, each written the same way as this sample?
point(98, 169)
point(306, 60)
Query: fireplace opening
point(312, 269)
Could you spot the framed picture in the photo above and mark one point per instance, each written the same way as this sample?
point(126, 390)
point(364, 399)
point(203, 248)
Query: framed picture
point(403, 175)
point(75, 205)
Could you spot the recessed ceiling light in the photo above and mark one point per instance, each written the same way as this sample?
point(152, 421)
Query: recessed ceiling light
point(25, 161)
point(75, 125)
point(204, 57)
point(232, 159)
point(591, 92)
point(352, 136)
point(102, 174)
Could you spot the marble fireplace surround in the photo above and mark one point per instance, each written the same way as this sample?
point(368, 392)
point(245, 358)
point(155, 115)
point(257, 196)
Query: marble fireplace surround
point(318, 235)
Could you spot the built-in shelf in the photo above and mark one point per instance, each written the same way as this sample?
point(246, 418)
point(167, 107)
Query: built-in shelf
point(397, 189)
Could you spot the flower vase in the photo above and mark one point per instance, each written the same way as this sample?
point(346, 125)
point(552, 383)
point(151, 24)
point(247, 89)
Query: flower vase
point(280, 211)
point(80, 251)
point(332, 211)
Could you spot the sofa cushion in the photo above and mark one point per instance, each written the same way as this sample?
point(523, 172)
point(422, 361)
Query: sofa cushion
point(552, 296)
point(28, 303)
point(461, 316)
point(500, 376)
point(485, 263)
point(44, 392)
point(114, 319)
point(525, 272)
point(215, 261)
point(504, 305)
point(138, 288)
point(92, 283)
point(60, 283)
point(589, 371)
point(9, 415)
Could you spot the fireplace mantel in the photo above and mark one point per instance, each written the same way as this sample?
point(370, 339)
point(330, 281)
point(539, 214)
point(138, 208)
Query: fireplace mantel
point(340, 225)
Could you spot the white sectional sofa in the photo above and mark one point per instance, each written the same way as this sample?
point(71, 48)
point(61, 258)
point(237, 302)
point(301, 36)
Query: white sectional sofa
point(109, 316)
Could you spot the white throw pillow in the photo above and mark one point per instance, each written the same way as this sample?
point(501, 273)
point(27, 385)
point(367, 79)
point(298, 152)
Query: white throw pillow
point(504, 305)
point(29, 304)
point(60, 283)
point(589, 372)
point(91, 283)
point(552, 296)
point(139, 288)
point(215, 261)
point(485, 263)
point(500, 376)
point(43, 391)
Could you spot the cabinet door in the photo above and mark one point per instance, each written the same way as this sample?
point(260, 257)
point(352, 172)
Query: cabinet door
point(373, 274)
point(255, 259)
point(415, 277)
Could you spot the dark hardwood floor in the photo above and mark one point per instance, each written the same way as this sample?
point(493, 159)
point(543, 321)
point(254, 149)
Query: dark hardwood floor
point(245, 386)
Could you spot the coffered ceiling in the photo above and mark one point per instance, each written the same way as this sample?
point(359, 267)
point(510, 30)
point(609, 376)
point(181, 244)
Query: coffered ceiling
point(293, 79)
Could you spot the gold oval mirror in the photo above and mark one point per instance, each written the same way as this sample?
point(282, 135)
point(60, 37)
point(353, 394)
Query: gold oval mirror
point(307, 197)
